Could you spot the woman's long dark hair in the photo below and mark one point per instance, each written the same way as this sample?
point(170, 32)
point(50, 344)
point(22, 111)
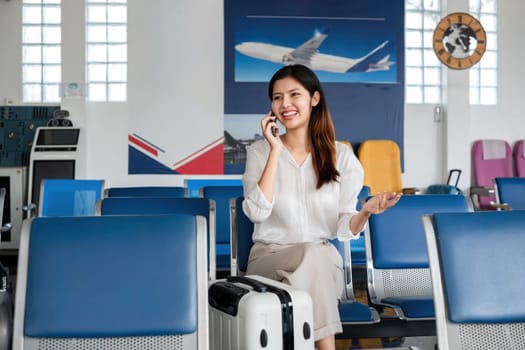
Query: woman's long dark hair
point(320, 128)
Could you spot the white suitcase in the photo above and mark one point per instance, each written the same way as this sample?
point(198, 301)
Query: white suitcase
point(254, 312)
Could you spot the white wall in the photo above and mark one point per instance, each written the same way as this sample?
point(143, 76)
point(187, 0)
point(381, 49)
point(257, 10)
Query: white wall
point(198, 84)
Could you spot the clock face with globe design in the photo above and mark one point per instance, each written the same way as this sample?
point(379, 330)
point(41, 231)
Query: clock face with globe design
point(459, 40)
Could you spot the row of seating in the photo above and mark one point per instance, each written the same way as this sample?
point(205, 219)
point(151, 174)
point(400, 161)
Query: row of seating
point(404, 273)
point(78, 197)
point(125, 243)
point(490, 158)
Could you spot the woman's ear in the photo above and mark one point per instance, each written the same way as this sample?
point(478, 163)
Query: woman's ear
point(315, 98)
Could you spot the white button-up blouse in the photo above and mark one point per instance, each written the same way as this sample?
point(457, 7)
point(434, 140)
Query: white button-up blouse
point(299, 212)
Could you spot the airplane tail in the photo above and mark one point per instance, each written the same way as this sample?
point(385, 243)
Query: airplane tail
point(377, 59)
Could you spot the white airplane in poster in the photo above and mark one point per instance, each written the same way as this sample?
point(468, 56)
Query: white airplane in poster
point(309, 55)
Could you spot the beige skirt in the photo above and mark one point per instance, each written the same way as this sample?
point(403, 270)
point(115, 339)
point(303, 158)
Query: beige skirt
point(313, 267)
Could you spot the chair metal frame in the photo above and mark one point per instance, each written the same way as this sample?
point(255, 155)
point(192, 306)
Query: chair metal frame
point(221, 195)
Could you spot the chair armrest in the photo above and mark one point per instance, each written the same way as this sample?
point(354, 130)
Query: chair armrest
point(500, 206)
point(411, 190)
point(482, 191)
point(477, 191)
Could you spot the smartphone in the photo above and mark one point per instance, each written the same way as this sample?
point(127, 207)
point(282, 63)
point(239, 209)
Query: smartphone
point(274, 128)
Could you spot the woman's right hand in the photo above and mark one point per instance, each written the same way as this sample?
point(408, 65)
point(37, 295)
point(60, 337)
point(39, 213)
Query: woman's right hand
point(268, 122)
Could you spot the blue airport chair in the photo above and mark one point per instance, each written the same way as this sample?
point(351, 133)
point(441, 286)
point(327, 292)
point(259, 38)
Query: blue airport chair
point(221, 195)
point(510, 193)
point(397, 262)
point(162, 206)
point(477, 263)
point(146, 191)
point(69, 197)
point(350, 310)
point(120, 282)
point(193, 186)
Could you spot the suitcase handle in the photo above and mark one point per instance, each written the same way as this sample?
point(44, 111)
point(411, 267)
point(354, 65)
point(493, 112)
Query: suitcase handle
point(450, 174)
point(256, 285)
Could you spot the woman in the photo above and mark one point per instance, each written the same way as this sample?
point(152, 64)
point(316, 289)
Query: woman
point(300, 191)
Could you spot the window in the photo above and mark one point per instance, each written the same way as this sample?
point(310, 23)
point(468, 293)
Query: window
point(422, 68)
point(41, 51)
point(106, 41)
point(483, 85)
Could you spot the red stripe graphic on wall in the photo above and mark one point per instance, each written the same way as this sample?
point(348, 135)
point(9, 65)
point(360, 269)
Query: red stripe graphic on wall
point(206, 160)
point(143, 145)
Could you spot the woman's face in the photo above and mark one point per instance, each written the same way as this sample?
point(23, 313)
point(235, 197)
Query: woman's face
point(292, 103)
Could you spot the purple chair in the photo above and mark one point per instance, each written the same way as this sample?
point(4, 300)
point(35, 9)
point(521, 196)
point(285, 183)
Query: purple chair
point(490, 159)
point(518, 154)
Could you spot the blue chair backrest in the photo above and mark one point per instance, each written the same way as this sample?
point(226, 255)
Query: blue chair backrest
point(146, 191)
point(69, 197)
point(194, 185)
point(397, 235)
point(511, 191)
point(482, 265)
point(162, 205)
point(154, 205)
point(111, 276)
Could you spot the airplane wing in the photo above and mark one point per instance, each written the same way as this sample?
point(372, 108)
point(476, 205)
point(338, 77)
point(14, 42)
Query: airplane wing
point(376, 59)
point(304, 53)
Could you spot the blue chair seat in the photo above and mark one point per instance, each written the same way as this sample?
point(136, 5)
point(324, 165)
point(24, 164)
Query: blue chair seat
point(351, 311)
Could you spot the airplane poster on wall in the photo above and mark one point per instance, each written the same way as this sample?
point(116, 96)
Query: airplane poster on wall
point(355, 48)
point(336, 53)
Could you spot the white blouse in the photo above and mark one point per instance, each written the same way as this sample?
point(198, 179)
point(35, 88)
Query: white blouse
point(299, 212)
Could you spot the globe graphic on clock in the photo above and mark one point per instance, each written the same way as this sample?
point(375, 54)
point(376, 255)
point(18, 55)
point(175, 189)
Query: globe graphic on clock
point(457, 40)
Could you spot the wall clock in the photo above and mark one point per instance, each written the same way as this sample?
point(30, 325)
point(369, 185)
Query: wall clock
point(459, 40)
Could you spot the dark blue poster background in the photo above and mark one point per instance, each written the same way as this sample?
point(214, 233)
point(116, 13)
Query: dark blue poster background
point(364, 105)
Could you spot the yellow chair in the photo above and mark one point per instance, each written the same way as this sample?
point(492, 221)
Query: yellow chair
point(381, 160)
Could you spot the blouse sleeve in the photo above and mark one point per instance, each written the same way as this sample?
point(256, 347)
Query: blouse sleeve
point(351, 179)
point(255, 204)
